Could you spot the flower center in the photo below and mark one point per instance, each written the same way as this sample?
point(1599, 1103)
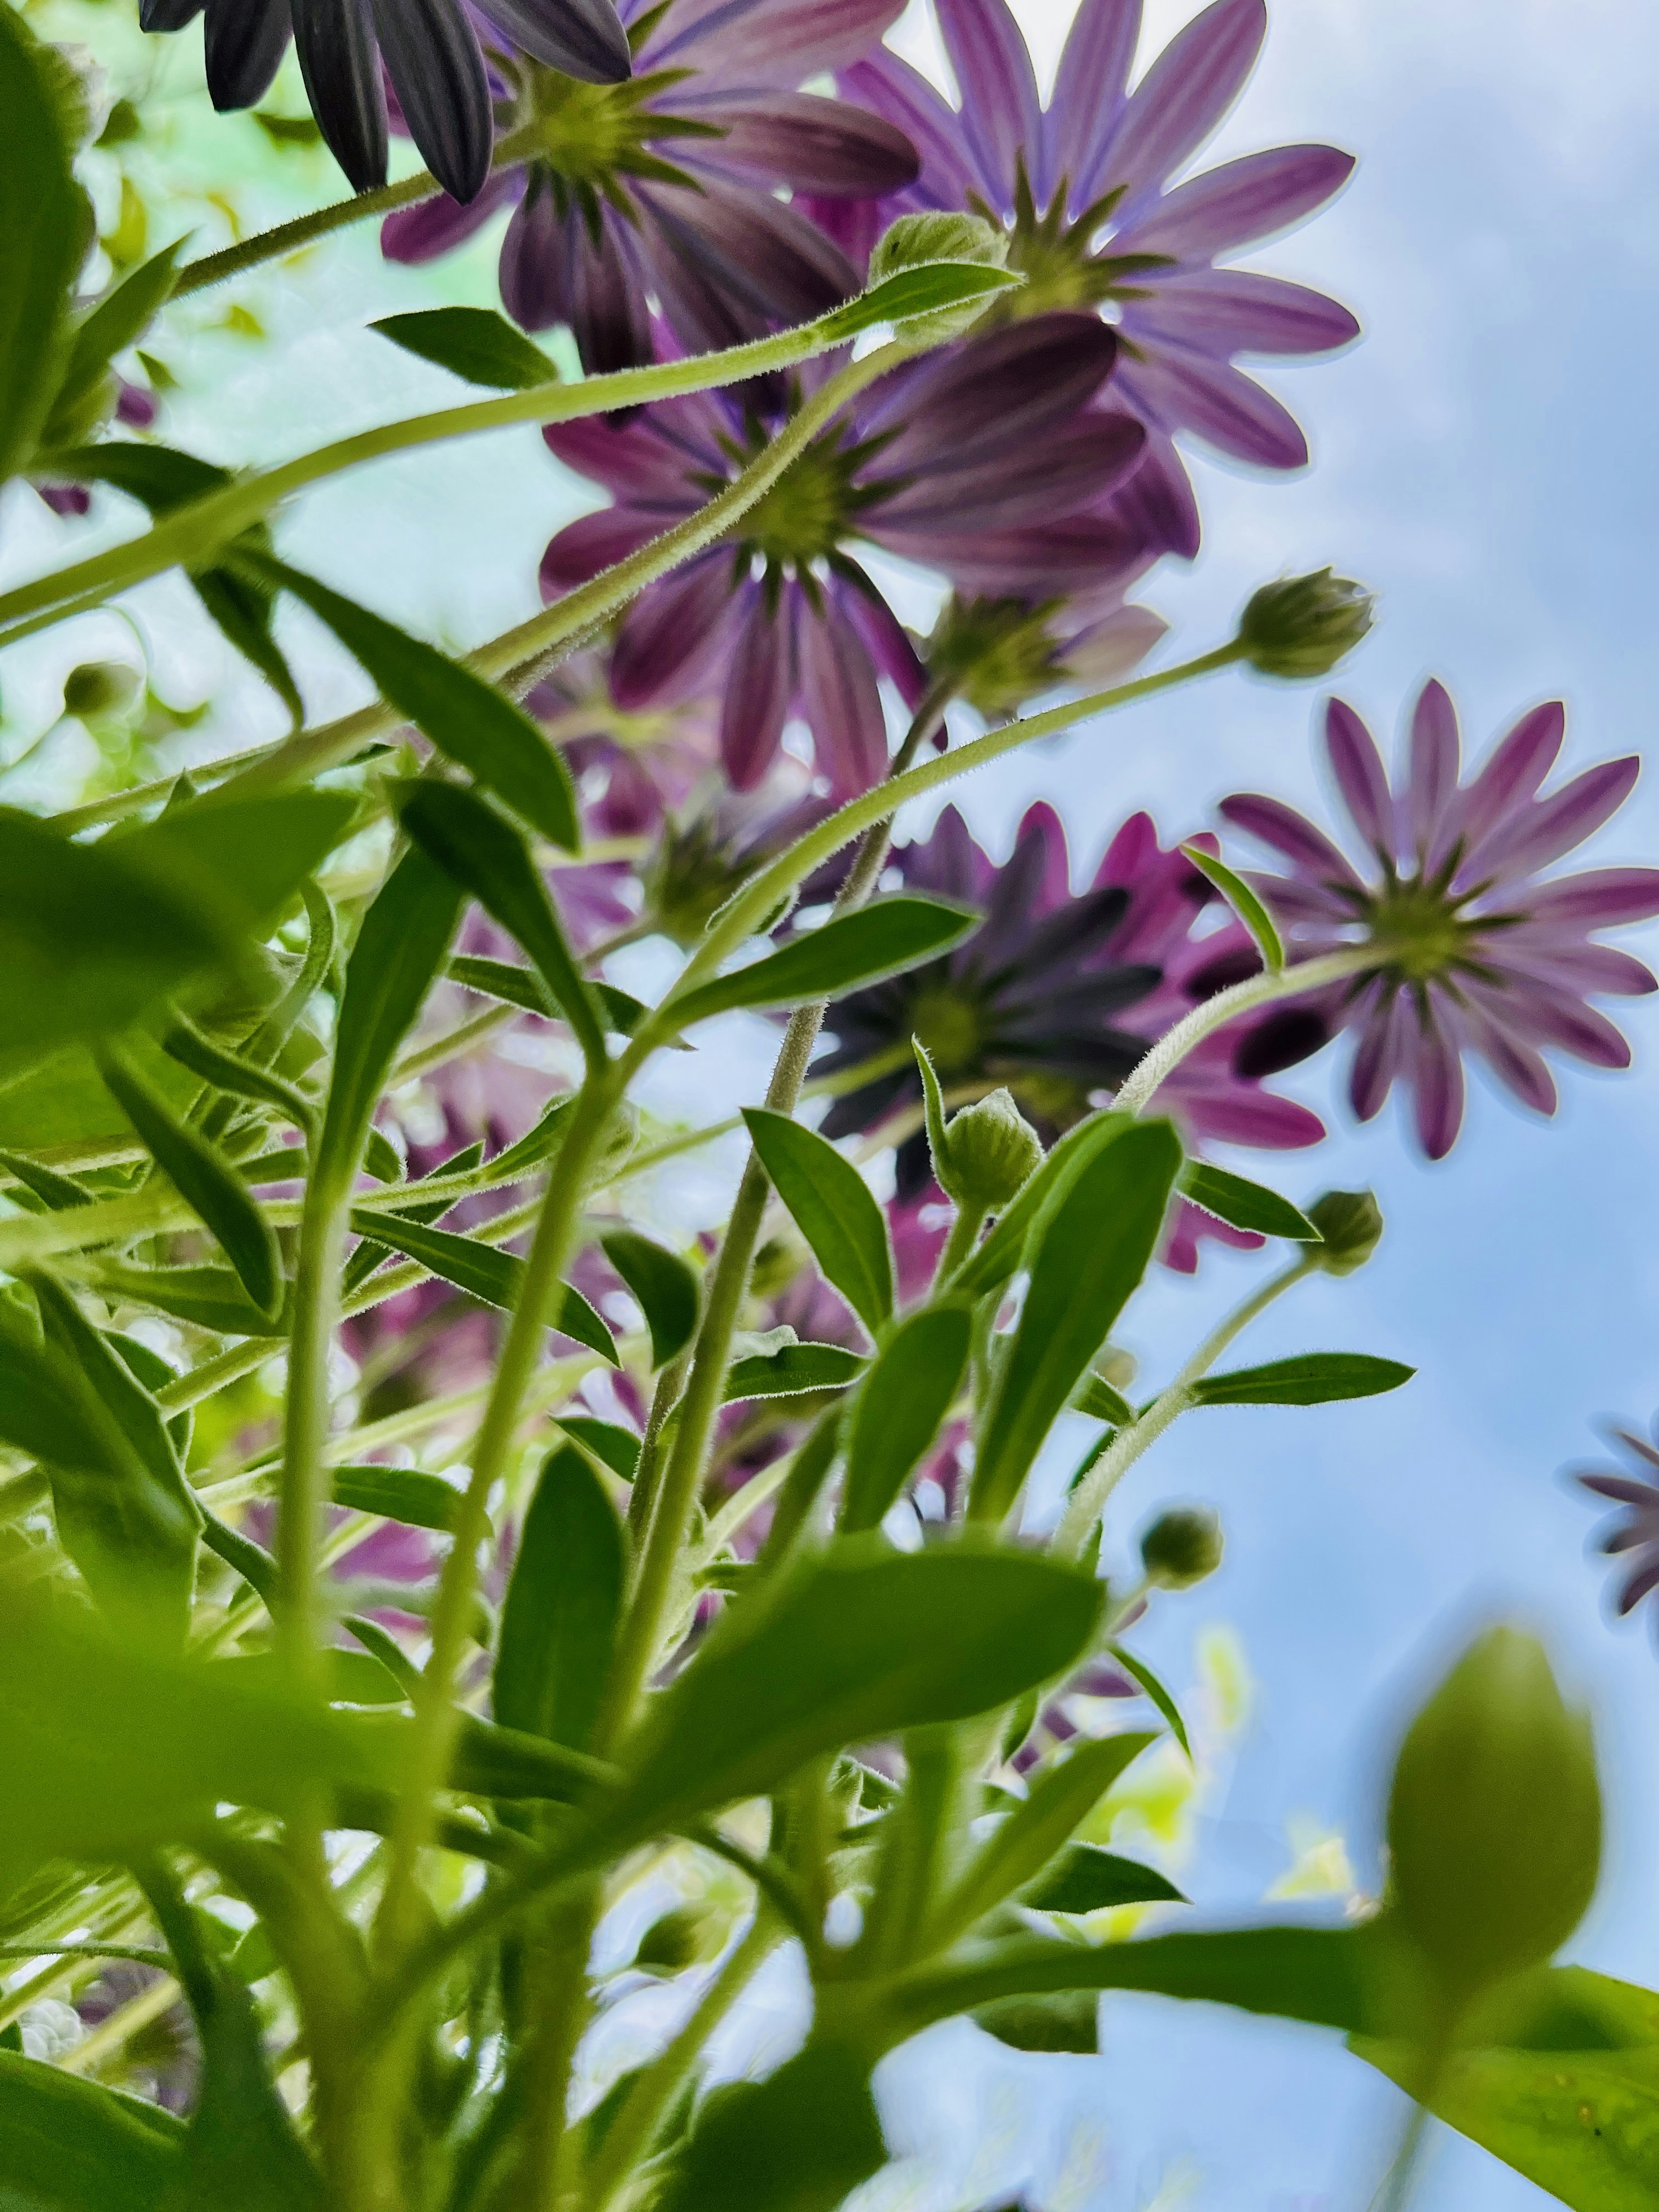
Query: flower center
point(812, 506)
point(589, 138)
point(1058, 257)
point(948, 1025)
point(1417, 930)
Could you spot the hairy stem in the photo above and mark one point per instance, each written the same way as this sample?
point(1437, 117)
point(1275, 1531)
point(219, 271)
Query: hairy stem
point(1263, 990)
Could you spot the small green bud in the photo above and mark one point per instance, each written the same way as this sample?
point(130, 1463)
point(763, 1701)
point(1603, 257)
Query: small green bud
point(995, 654)
point(1350, 1223)
point(990, 1151)
point(1182, 1546)
point(1494, 1819)
point(679, 1939)
point(100, 687)
point(1300, 626)
point(914, 240)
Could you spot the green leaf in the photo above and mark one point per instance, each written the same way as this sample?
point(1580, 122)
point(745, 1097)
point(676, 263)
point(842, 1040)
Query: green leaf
point(502, 980)
point(245, 859)
point(369, 1254)
point(610, 1443)
point(882, 939)
point(399, 950)
point(1068, 2021)
point(1085, 1879)
point(397, 1493)
point(1312, 1378)
point(792, 1370)
point(208, 1298)
point(121, 317)
point(833, 1207)
point(495, 1278)
point(904, 1397)
point(537, 1144)
point(55, 1191)
point(240, 1079)
point(486, 857)
point(928, 289)
point(859, 1644)
point(492, 1761)
point(663, 1286)
point(1244, 1205)
point(67, 2145)
point(1088, 1259)
point(559, 1620)
point(475, 344)
point(798, 2142)
point(1024, 1844)
point(997, 1259)
point(1140, 1671)
point(1097, 1399)
point(468, 719)
point(38, 256)
point(1244, 903)
point(202, 1178)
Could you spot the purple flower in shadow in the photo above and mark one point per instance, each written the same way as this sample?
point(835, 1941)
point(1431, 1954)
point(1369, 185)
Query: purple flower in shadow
point(1058, 995)
point(981, 456)
point(1084, 190)
point(1634, 1533)
point(666, 185)
point(1476, 950)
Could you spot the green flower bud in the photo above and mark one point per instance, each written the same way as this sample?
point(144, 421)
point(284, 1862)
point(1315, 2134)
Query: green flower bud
point(914, 240)
point(1300, 626)
point(1494, 1819)
point(679, 1939)
point(1182, 1546)
point(99, 688)
point(1350, 1223)
point(990, 1151)
point(996, 653)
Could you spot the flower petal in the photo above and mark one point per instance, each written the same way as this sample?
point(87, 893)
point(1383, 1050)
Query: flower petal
point(1239, 203)
point(1598, 898)
point(781, 43)
point(1000, 117)
point(1309, 850)
point(729, 264)
point(1066, 468)
point(432, 55)
point(1512, 773)
point(1531, 1009)
point(1435, 760)
point(1180, 100)
point(1361, 778)
point(841, 700)
point(757, 690)
point(988, 397)
point(1090, 91)
point(1518, 1066)
point(244, 42)
point(342, 74)
point(884, 635)
point(591, 544)
point(1435, 1068)
point(1381, 1016)
point(607, 311)
point(1182, 390)
point(674, 634)
point(1229, 311)
point(582, 39)
point(891, 88)
point(436, 225)
point(1553, 826)
point(817, 145)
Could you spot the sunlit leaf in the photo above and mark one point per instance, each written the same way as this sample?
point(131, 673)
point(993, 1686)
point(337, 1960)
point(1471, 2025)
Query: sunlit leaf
point(882, 939)
point(1242, 1203)
point(904, 1397)
point(663, 1286)
point(475, 344)
point(1311, 1378)
point(495, 1278)
point(833, 1207)
point(40, 253)
point(559, 1621)
point(1244, 903)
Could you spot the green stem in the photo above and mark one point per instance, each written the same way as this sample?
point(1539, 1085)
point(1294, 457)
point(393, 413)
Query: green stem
point(964, 1234)
point(196, 533)
point(1263, 990)
point(1088, 1500)
point(305, 1489)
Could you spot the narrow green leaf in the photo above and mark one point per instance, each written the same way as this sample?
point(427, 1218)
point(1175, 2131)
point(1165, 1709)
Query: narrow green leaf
point(559, 1620)
point(202, 1178)
point(55, 1191)
point(997, 1259)
point(495, 1278)
point(397, 1493)
point(536, 1146)
point(615, 1447)
point(1244, 903)
point(833, 1207)
point(522, 987)
point(1024, 1844)
point(369, 1255)
point(185, 1043)
point(792, 1370)
point(399, 950)
point(1067, 2020)
point(469, 720)
point(663, 1286)
point(1100, 1402)
point(893, 934)
point(244, 609)
point(475, 344)
point(928, 289)
point(486, 857)
point(38, 256)
point(932, 1106)
point(1244, 1205)
point(799, 2141)
point(492, 1761)
point(1312, 1378)
point(896, 1415)
point(1090, 1257)
point(859, 1644)
point(244, 860)
point(67, 2145)
point(208, 1298)
point(121, 317)
point(1085, 1879)
point(1140, 1671)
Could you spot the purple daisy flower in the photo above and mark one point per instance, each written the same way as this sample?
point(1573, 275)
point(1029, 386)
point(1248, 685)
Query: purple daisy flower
point(978, 465)
point(666, 186)
point(1476, 950)
point(1058, 995)
point(1084, 190)
point(1636, 1530)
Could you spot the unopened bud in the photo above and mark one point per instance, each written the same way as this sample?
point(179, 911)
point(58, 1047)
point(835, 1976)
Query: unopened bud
point(1494, 1818)
point(991, 1150)
point(679, 1939)
point(100, 687)
point(914, 240)
point(995, 654)
point(1182, 1546)
point(1350, 1223)
point(1300, 626)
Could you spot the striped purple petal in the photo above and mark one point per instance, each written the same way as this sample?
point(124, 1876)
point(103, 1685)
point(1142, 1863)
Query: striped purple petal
point(1361, 778)
point(816, 145)
point(1553, 826)
point(1512, 773)
point(594, 541)
point(243, 44)
point(1179, 101)
point(987, 398)
point(1385, 1019)
point(1087, 456)
point(1091, 91)
point(884, 636)
point(1182, 390)
point(436, 225)
point(1000, 114)
point(1434, 1069)
point(432, 55)
point(1531, 1008)
point(749, 44)
point(1238, 202)
point(841, 700)
point(1600, 968)
point(1519, 1067)
point(1645, 1579)
point(1290, 833)
point(673, 636)
point(1624, 1489)
point(758, 688)
point(1228, 311)
point(1435, 761)
point(730, 264)
point(891, 88)
point(1598, 898)
point(581, 39)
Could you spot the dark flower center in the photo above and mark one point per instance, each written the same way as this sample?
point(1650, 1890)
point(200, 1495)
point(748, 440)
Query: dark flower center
point(949, 1025)
point(813, 507)
point(1057, 257)
point(589, 138)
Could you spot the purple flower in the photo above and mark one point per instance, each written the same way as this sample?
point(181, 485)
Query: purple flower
point(429, 50)
point(978, 465)
point(1057, 994)
point(1476, 950)
point(1084, 190)
point(1636, 1530)
point(666, 187)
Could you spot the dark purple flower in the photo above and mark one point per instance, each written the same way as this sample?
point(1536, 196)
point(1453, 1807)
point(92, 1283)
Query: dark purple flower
point(666, 186)
point(976, 464)
point(1635, 1531)
point(1084, 190)
point(1057, 995)
point(1476, 952)
point(430, 51)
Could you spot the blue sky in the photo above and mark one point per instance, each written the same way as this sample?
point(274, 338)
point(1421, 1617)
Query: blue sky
point(1486, 459)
